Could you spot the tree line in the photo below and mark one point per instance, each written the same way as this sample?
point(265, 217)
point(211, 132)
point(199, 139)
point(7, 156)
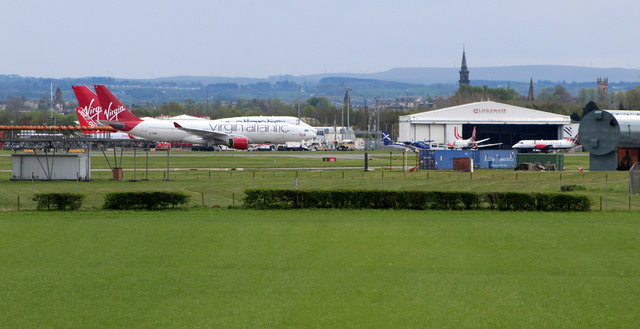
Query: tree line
point(321, 111)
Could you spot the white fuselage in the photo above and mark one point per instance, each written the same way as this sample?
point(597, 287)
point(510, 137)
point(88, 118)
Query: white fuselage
point(255, 132)
point(544, 144)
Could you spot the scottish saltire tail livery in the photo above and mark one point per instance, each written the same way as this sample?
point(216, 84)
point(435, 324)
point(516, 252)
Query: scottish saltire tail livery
point(416, 146)
point(386, 140)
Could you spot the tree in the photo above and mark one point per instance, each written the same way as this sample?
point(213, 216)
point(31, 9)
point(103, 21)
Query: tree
point(558, 94)
point(575, 116)
point(590, 107)
point(632, 98)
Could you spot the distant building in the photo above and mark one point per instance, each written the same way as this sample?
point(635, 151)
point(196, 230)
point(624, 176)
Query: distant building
point(603, 90)
point(464, 72)
point(531, 96)
point(58, 102)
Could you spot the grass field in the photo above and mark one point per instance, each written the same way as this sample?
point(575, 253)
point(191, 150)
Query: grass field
point(232, 268)
point(210, 266)
point(213, 187)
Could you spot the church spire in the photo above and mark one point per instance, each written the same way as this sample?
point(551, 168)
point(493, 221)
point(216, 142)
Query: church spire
point(531, 96)
point(464, 72)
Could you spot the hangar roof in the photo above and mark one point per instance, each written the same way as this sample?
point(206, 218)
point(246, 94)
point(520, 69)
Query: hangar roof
point(486, 113)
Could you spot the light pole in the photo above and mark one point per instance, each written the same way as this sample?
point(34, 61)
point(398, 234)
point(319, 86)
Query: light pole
point(299, 95)
point(377, 121)
point(344, 100)
point(348, 103)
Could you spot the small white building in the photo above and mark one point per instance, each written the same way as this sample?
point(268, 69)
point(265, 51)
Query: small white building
point(41, 166)
point(502, 123)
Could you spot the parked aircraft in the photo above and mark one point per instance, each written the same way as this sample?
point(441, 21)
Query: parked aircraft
point(416, 146)
point(543, 145)
point(209, 132)
point(469, 143)
point(90, 112)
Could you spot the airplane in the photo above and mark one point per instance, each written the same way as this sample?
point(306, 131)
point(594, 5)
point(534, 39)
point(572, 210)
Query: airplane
point(546, 146)
point(237, 135)
point(90, 112)
point(416, 146)
point(469, 143)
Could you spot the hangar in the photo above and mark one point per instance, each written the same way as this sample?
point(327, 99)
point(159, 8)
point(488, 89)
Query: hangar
point(502, 123)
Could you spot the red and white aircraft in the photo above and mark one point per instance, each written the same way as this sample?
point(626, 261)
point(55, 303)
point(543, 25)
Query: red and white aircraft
point(90, 112)
point(234, 134)
point(545, 145)
point(469, 143)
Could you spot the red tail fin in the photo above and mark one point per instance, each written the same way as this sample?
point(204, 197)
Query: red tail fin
point(455, 133)
point(85, 120)
point(473, 135)
point(89, 103)
point(113, 109)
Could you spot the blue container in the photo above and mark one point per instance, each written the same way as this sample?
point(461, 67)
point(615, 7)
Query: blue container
point(484, 159)
point(496, 159)
point(443, 159)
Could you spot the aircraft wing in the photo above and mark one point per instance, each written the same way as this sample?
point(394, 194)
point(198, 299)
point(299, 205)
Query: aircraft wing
point(487, 145)
point(115, 124)
point(482, 141)
point(209, 136)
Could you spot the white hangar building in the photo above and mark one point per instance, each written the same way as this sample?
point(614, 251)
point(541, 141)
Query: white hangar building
point(502, 123)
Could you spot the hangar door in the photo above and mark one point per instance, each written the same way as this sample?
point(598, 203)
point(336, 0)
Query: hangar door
point(435, 133)
point(509, 134)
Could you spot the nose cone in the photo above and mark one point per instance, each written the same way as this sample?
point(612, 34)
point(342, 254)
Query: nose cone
point(310, 134)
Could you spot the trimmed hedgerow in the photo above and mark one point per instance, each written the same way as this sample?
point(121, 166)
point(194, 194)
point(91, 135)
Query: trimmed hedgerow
point(379, 199)
point(144, 200)
point(58, 201)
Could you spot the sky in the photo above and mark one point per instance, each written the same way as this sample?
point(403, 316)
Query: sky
point(258, 39)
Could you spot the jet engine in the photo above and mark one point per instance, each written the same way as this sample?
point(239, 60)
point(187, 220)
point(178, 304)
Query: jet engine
point(239, 143)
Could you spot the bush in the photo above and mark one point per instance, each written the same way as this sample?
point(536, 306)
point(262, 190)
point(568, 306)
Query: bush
point(58, 201)
point(144, 200)
point(379, 199)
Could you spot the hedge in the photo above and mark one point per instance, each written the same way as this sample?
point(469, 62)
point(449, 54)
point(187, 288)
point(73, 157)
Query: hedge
point(379, 199)
point(58, 201)
point(144, 200)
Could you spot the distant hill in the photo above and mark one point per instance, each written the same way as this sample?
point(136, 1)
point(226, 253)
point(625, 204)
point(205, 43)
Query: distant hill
point(522, 73)
point(392, 83)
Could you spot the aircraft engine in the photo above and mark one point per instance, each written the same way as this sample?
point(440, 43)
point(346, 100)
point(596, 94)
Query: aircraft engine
point(239, 143)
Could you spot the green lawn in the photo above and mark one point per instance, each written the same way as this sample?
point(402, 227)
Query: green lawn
point(607, 190)
point(231, 268)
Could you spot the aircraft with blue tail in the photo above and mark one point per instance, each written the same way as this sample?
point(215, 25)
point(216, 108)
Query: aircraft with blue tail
point(415, 146)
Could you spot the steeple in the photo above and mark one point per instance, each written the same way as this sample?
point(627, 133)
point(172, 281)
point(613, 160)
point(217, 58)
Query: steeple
point(531, 96)
point(464, 72)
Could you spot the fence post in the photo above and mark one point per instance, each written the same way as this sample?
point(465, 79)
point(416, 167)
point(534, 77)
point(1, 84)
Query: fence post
point(427, 180)
point(606, 181)
point(601, 203)
point(210, 189)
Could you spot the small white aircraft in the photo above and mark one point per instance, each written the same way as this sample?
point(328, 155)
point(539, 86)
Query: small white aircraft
point(469, 143)
point(544, 145)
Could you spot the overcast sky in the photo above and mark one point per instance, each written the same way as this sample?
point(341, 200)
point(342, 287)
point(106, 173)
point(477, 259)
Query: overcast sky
point(240, 38)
